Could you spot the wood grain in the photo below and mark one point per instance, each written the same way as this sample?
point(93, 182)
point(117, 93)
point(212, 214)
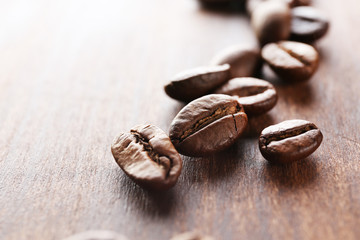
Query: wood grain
point(73, 74)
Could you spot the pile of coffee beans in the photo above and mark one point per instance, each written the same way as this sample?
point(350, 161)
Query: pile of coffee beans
point(222, 96)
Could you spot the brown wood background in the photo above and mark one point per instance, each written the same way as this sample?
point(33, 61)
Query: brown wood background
point(73, 74)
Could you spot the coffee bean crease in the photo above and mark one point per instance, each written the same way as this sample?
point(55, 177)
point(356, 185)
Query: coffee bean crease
point(217, 114)
point(150, 151)
point(288, 134)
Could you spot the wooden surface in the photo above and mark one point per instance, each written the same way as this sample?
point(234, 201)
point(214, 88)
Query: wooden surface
point(73, 74)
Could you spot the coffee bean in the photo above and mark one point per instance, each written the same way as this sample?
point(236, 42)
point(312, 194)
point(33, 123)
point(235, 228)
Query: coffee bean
point(296, 3)
point(289, 141)
point(255, 95)
point(208, 125)
point(96, 235)
point(194, 83)
point(147, 156)
point(191, 236)
point(308, 24)
point(291, 61)
point(252, 4)
point(244, 61)
point(271, 21)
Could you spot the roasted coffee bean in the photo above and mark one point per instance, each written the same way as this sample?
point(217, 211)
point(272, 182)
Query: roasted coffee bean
point(244, 61)
point(308, 24)
point(191, 236)
point(289, 141)
point(252, 4)
point(291, 61)
point(208, 125)
point(97, 235)
point(194, 83)
point(147, 156)
point(296, 3)
point(255, 95)
point(271, 21)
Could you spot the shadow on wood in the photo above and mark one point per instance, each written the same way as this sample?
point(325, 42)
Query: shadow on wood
point(152, 203)
point(292, 176)
point(256, 124)
point(215, 169)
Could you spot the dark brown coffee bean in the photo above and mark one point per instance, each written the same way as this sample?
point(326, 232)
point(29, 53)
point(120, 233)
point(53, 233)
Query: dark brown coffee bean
point(289, 141)
point(296, 3)
point(191, 236)
point(252, 4)
point(194, 83)
point(255, 95)
point(208, 125)
point(308, 24)
point(214, 1)
point(147, 156)
point(271, 21)
point(291, 61)
point(244, 61)
point(96, 235)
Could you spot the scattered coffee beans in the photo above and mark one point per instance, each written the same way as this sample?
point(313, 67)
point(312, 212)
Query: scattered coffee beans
point(208, 125)
point(212, 123)
point(147, 156)
point(194, 83)
point(291, 61)
point(289, 141)
point(244, 61)
point(191, 236)
point(255, 95)
point(308, 24)
point(97, 235)
point(271, 21)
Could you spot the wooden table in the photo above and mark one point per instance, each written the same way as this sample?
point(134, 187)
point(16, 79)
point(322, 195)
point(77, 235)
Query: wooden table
point(73, 74)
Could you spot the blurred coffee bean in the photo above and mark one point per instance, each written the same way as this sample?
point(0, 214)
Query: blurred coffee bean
point(271, 21)
point(194, 83)
point(244, 61)
point(255, 95)
point(291, 61)
point(308, 24)
point(296, 3)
